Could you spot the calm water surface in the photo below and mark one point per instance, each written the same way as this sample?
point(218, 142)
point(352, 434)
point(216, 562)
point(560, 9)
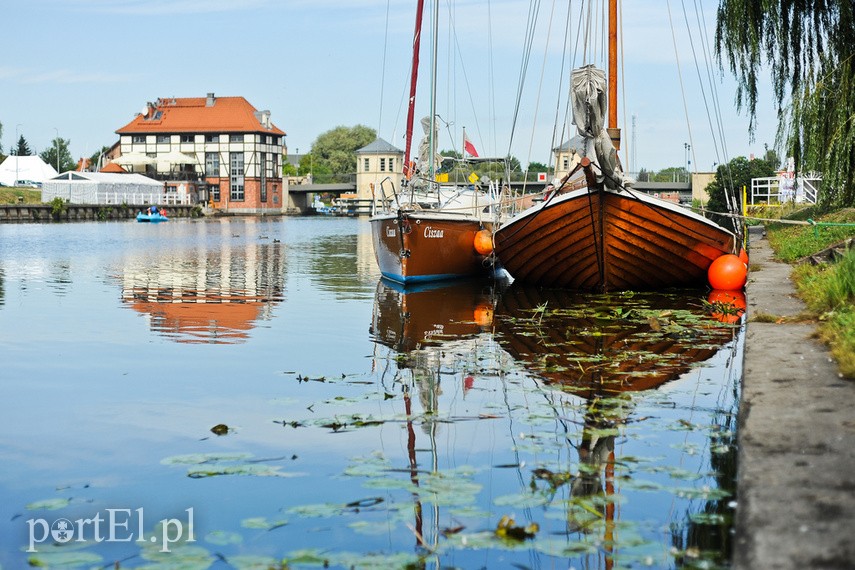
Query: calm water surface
point(469, 425)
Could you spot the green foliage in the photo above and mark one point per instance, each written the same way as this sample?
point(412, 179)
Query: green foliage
point(670, 174)
point(537, 167)
point(807, 46)
point(96, 156)
point(334, 152)
point(22, 148)
point(829, 290)
point(793, 242)
point(59, 147)
point(729, 180)
point(20, 196)
point(57, 207)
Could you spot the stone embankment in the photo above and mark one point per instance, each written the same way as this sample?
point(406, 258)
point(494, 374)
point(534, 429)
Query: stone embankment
point(796, 482)
point(78, 212)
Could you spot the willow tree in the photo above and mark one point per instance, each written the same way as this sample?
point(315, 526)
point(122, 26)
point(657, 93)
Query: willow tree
point(809, 48)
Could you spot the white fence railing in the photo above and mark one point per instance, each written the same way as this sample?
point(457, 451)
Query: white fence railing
point(782, 190)
point(134, 199)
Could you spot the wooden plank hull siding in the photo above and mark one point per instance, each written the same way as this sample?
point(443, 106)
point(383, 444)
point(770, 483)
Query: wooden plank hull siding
point(633, 357)
point(605, 240)
point(80, 212)
point(422, 247)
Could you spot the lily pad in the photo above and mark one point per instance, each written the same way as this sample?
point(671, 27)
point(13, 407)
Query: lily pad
point(262, 523)
point(60, 559)
point(49, 504)
point(222, 537)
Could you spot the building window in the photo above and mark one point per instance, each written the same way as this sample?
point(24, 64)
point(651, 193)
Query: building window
point(215, 192)
point(263, 167)
point(212, 164)
point(236, 138)
point(365, 165)
point(138, 139)
point(163, 139)
point(566, 164)
point(271, 163)
point(187, 138)
point(236, 176)
point(382, 165)
point(212, 138)
point(391, 165)
point(269, 139)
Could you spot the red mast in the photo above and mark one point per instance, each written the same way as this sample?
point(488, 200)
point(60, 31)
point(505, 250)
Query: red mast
point(414, 75)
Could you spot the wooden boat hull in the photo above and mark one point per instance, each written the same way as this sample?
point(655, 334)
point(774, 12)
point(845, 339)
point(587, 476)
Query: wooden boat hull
point(606, 240)
point(427, 246)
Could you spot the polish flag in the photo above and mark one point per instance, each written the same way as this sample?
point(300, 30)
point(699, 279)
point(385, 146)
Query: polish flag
point(468, 146)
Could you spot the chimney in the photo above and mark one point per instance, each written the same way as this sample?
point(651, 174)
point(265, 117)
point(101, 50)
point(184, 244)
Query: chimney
point(263, 117)
point(210, 101)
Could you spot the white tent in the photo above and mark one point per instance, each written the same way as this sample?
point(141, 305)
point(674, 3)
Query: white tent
point(109, 188)
point(25, 168)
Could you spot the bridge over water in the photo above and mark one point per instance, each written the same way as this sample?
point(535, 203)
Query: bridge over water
point(300, 195)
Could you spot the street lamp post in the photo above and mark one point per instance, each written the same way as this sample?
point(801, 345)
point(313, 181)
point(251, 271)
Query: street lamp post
point(56, 143)
point(17, 158)
point(688, 147)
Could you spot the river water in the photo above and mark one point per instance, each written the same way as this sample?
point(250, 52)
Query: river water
point(245, 393)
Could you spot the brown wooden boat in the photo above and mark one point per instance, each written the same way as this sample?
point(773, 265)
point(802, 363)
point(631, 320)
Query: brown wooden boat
point(598, 239)
point(594, 232)
point(431, 245)
point(426, 231)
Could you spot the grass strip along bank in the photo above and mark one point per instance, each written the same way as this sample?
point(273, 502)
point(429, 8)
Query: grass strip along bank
point(827, 288)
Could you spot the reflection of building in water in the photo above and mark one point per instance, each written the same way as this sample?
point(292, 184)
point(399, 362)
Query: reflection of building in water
point(207, 296)
point(365, 262)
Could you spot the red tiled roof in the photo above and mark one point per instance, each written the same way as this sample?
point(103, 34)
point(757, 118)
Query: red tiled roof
point(193, 115)
point(113, 167)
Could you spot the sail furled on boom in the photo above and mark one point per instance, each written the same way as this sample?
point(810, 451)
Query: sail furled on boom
point(589, 96)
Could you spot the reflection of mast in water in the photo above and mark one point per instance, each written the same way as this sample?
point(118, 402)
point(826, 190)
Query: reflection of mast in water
point(206, 296)
point(599, 348)
point(421, 324)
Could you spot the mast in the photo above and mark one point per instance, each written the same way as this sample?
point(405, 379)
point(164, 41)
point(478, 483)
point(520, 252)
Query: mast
point(613, 130)
point(414, 75)
point(433, 58)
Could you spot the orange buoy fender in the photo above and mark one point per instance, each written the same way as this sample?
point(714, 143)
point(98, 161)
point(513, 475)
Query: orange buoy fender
point(728, 272)
point(727, 306)
point(743, 256)
point(484, 242)
point(483, 315)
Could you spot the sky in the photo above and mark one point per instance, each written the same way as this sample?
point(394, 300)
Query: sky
point(81, 69)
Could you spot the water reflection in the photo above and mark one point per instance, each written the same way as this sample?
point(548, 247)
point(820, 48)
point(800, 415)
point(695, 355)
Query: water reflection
point(406, 319)
point(601, 345)
point(433, 331)
point(593, 358)
point(603, 348)
point(206, 295)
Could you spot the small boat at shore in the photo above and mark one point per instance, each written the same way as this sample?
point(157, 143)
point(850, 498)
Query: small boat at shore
point(152, 215)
